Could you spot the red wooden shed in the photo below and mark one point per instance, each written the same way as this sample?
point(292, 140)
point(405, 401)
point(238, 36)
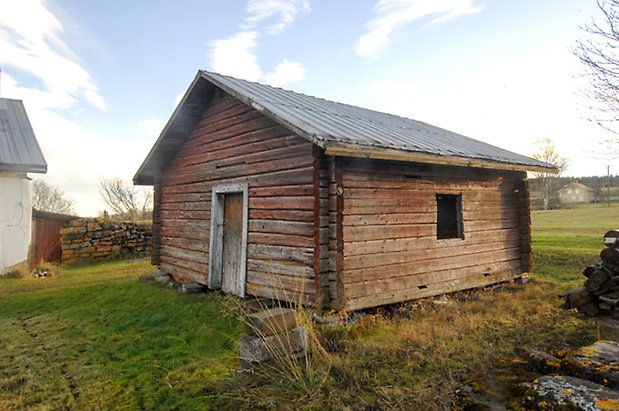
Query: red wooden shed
point(266, 192)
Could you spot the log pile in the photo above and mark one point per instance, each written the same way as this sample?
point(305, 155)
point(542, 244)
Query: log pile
point(600, 293)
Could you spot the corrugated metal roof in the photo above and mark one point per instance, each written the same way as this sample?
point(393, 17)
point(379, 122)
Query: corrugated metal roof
point(332, 126)
point(328, 122)
point(19, 149)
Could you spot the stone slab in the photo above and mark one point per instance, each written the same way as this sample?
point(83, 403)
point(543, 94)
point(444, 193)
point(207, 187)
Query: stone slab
point(272, 321)
point(563, 392)
point(265, 348)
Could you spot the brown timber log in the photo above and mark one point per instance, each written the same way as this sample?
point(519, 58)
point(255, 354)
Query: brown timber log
point(596, 275)
point(578, 297)
point(610, 256)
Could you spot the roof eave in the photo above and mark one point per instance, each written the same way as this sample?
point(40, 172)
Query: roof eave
point(359, 151)
point(24, 168)
point(144, 176)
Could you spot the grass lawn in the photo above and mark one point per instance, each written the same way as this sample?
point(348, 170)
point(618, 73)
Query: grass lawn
point(102, 337)
point(565, 241)
point(107, 337)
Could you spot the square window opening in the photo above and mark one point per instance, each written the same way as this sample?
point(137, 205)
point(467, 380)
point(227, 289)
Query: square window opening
point(449, 216)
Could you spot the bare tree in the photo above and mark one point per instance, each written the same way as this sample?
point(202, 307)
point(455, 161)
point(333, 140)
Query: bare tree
point(599, 54)
point(52, 199)
point(125, 200)
point(549, 182)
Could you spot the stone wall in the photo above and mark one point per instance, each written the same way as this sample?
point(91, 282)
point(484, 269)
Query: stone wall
point(87, 239)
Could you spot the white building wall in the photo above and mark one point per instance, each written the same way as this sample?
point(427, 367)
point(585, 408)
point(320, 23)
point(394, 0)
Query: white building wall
point(15, 219)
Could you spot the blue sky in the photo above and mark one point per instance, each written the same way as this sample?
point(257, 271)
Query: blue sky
point(100, 78)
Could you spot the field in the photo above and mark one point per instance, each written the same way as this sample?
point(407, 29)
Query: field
point(107, 336)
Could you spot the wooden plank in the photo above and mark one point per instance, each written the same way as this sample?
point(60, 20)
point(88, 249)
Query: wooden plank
point(392, 195)
point(433, 289)
point(290, 268)
point(388, 219)
point(412, 173)
point(280, 253)
point(266, 291)
point(316, 226)
point(282, 177)
point(428, 207)
point(294, 203)
point(285, 284)
point(382, 286)
point(187, 255)
point(485, 225)
point(182, 264)
point(338, 253)
point(184, 216)
point(425, 202)
point(296, 190)
point(156, 238)
point(283, 147)
point(421, 254)
point(281, 227)
point(168, 197)
point(182, 273)
point(216, 145)
point(384, 232)
point(280, 239)
point(448, 263)
point(406, 244)
point(186, 206)
point(373, 152)
point(525, 227)
point(304, 216)
point(198, 230)
point(189, 244)
point(210, 172)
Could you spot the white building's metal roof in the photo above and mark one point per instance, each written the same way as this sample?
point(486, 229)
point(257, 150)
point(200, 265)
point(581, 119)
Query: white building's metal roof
point(19, 149)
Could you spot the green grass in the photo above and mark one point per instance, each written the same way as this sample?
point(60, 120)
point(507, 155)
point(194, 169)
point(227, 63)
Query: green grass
point(101, 337)
point(566, 240)
point(106, 336)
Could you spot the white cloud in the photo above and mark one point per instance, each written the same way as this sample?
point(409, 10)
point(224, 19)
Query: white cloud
point(509, 103)
point(286, 72)
point(76, 158)
point(394, 14)
point(236, 55)
point(178, 98)
point(151, 126)
point(30, 41)
point(261, 10)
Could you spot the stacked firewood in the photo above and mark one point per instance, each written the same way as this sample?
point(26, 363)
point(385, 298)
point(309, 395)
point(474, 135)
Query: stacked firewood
point(600, 294)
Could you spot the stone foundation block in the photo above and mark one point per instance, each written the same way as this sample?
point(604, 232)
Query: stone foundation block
point(265, 348)
point(276, 320)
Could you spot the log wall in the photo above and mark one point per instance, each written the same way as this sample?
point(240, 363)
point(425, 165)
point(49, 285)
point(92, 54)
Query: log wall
point(233, 143)
point(390, 251)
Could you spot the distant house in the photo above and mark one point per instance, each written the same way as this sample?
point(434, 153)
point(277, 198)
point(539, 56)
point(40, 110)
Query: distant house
point(20, 154)
point(575, 192)
point(266, 192)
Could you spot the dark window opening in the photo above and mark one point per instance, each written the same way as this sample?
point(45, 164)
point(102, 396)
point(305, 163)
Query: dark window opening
point(449, 216)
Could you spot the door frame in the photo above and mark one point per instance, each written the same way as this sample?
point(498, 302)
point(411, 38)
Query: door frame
point(215, 261)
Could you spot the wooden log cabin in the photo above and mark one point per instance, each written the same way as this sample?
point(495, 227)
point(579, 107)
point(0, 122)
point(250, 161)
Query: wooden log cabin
point(266, 192)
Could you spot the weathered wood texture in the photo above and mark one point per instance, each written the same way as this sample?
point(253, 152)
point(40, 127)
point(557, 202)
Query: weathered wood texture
point(46, 245)
point(390, 250)
point(155, 253)
point(321, 227)
point(233, 143)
